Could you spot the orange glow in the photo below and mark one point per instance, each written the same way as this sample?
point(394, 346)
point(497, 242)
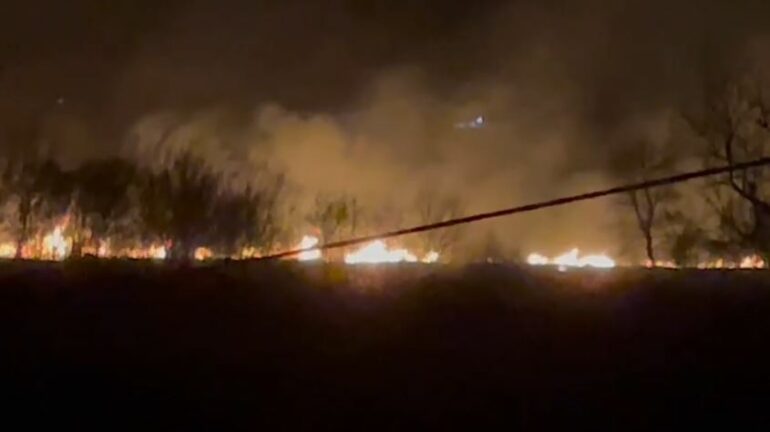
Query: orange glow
point(572, 259)
point(309, 255)
point(7, 250)
point(378, 252)
point(55, 245)
point(202, 254)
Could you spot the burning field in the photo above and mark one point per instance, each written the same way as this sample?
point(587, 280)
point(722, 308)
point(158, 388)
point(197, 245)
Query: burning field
point(56, 245)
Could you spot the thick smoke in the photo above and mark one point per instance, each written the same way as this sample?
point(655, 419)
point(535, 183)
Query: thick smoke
point(365, 100)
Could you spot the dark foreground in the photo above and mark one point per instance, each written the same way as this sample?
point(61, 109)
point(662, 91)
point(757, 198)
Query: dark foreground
point(237, 346)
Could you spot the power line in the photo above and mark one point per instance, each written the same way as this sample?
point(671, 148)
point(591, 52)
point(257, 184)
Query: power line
point(664, 181)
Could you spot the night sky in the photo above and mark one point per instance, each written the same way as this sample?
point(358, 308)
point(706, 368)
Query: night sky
point(356, 96)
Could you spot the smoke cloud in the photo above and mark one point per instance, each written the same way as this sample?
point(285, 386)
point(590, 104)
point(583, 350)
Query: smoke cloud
point(365, 100)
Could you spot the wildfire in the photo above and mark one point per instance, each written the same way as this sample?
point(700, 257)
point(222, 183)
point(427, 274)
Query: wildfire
point(104, 249)
point(751, 262)
point(431, 257)
point(7, 250)
point(55, 245)
point(378, 252)
point(572, 259)
point(536, 259)
point(157, 252)
point(202, 254)
point(661, 264)
point(748, 262)
point(309, 255)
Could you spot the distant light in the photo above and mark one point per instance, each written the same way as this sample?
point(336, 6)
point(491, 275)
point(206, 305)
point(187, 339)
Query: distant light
point(476, 123)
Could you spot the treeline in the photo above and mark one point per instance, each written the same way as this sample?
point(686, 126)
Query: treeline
point(724, 217)
point(185, 203)
point(183, 206)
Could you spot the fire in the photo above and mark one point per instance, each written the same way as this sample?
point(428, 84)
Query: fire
point(157, 252)
point(747, 262)
point(202, 254)
point(661, 264)
point(431, 257)
point(7, 250)
point(311, 254)
point(104, 249)
point(55, 245)
point(536, 259)
point(572, 259)
point(249, 252)
point(752, 262)
point(378, 252)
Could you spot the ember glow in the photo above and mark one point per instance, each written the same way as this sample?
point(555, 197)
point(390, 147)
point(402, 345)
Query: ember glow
point(747, 263)
point(572, 259)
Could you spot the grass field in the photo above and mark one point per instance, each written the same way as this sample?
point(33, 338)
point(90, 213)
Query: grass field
point(247, 345)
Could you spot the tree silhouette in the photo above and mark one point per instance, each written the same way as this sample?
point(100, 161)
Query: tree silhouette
point(433, 207)
point(651, 207)
point(734, 124)
point(100, 200)
point(37, 189)
point(177, 203)
point(331, 214)
point(245, 218)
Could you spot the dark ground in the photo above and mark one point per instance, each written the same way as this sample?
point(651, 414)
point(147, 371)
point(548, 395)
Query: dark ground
point(243, 346)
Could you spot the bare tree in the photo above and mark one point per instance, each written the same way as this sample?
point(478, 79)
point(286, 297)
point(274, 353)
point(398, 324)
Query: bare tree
point(650, 206)
point(177, 204)
point(246, 217)
point(735, 126)
point(35, 185)
point(433, 207)
point(333, 215)
point(99, 200)
point(684, 237)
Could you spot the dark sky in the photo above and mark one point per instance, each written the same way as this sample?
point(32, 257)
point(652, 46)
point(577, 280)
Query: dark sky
point(117, 59)
point(124, 57)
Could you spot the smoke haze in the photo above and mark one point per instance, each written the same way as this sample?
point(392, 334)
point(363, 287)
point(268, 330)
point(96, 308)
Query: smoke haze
point(364, 98)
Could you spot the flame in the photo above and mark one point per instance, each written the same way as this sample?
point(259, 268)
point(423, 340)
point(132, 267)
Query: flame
point(104, 249)
point(55, 245)
point(661, 264)
point(7, 250)
point(572, 259)
point(378, 252)
point(747, 262)
point(157, 252)
point(308, 255)
point(536, 259)
point(752, 262)
point(431, 257)
point(249, 252)
point(202, 254)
